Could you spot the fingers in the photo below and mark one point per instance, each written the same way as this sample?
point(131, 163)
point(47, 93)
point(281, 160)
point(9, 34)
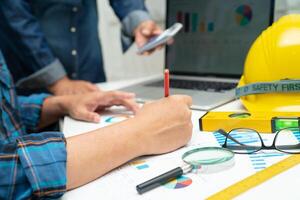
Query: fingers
point(147, 53)
point(145, 31)
point(123, 98)
point(107, 97)
point(188, 100)
point(140, 39)
point(149, 28)
point(130, 104)
point(111, 98)
point(157, 30)
point(183, 98)
point(89, 116)
point(170, 41)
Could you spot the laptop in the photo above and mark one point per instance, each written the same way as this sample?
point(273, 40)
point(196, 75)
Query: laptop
point(207, 57)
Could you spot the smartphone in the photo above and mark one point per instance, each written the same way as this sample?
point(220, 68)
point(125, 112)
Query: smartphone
point(161, 39)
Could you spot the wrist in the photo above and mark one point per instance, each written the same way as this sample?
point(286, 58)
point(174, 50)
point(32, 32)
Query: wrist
point(52, 88)
point(58, 103)
point(136, 140)
point(53, 109)
point(64, 103)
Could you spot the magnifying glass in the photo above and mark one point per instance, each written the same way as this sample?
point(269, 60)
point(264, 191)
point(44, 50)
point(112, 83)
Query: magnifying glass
point(204, 160)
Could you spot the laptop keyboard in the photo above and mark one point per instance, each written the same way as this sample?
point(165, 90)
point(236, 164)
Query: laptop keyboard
point(196, 85)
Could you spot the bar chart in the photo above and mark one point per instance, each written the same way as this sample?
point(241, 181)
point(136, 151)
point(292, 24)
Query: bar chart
point(193, 23)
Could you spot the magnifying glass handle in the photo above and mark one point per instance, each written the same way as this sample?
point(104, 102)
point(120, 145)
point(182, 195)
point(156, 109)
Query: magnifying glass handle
point(159, 180)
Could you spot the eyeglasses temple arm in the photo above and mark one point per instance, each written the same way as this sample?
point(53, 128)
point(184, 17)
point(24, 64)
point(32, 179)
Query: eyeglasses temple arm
point(247, 147)
point(225, 134)
point(283, 147)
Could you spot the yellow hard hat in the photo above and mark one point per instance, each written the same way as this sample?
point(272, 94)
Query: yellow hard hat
point(271, 78)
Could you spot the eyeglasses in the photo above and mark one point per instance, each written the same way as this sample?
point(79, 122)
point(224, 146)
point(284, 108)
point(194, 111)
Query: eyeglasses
point(247, 141)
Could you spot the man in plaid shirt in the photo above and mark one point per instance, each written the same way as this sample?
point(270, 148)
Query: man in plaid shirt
point(45, 165)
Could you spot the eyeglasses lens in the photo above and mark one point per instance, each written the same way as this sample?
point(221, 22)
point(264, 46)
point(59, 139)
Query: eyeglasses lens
point(244, 141)
point(288, 140)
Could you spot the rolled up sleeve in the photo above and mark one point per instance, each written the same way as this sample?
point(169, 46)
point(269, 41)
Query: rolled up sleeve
point(30, 110)
point(129, 24)
point(33, 167)
point(132, 20)
point(18, 21)
point(131, 13)
point(44, 77)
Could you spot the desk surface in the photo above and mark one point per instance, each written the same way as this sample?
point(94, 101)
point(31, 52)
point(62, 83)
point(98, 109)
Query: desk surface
point(120, 183)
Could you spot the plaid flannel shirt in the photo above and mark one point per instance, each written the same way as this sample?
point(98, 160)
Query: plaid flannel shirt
point(31, 165)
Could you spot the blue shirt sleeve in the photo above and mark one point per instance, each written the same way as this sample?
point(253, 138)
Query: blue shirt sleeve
point(124, 7)
point(131, 13)
point(30, 110)
point(34, 166)
point(19, 22)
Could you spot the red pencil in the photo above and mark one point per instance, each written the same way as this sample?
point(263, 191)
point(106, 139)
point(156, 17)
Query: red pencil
point(167, 82)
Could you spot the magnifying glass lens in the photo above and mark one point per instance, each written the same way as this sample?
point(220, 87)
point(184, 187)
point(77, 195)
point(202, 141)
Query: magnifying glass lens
point(207, 156)
point(206, 159)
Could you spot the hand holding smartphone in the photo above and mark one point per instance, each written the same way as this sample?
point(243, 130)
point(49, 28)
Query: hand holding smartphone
point(161, 39)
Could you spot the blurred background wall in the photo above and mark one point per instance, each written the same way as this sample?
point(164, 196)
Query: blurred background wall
point(129, 65)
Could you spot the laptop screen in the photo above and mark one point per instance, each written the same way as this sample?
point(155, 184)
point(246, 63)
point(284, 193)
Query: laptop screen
point(216, 35)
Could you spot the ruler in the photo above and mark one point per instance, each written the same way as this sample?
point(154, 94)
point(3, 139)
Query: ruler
point(256, 179)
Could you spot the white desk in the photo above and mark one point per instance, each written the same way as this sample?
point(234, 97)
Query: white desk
point(283, 186)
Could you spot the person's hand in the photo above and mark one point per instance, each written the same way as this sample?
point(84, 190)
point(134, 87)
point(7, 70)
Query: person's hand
point(65, 86)
point(144, 32)
point(87, 106)
point(166, 125)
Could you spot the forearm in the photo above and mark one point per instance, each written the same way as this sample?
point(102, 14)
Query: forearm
point(100, 151)
point(53, 109)
point(95, 153)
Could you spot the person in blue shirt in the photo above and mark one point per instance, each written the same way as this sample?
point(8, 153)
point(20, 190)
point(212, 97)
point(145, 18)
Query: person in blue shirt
point(55, 44)
point(44, 165)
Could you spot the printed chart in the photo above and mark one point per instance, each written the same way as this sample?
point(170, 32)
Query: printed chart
point(116, 118)
point(180, 182)
point(297, 135)
point(107, 118)
point(261, 159)
point(139, 164)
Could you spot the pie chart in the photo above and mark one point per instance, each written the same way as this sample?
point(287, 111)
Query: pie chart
point(243, 15)
point(180, 182)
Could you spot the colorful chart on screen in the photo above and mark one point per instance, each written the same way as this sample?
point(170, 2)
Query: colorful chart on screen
point(116, 118)
point(180, 182)
point(243, 15)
